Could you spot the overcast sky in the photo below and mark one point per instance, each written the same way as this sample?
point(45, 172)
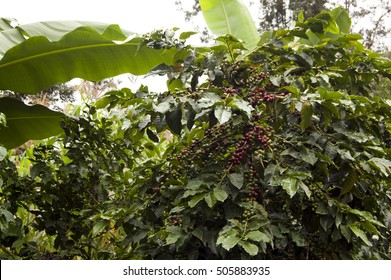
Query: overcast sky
point(139, 16)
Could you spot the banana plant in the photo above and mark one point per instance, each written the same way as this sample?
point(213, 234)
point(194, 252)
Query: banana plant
point(231, 17)
point(38, 55)
point(56, 52)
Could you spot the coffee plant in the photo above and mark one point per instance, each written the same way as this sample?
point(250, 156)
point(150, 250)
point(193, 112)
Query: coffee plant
point(277, 152)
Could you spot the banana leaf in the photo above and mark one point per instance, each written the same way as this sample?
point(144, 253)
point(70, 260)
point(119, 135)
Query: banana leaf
point(27, 122)
point(38, 55)
point(230, 17)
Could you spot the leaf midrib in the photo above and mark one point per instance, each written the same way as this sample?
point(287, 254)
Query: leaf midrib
point(30, 118)
point(226, 17)
point(30, 58)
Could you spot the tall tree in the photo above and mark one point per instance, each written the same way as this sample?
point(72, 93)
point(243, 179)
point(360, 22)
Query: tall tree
point(372, 21)
point(274, 14)
point(309, 8)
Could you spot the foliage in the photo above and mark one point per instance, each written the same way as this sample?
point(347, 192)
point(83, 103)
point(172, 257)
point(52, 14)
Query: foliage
point(235, 20)
point(38, 55)
point(27, 122)
point(278, 152)
point(53, 96)
point(370, 19)
point(56, 52)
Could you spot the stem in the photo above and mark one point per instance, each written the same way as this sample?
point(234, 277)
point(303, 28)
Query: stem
point(8, 252)
point(225, 175)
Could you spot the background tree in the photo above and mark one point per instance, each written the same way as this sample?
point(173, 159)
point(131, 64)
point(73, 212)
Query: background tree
point(370, 19)
point(309, 8)
point(55, 96)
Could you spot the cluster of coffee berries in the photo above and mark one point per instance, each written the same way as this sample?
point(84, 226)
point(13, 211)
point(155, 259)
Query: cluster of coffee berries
point(260, 94)
point(252, 179)
point(176, 221)
point(254, 191)
point(202, 152)
point(255, 136)
point(256, 77)
point(230, 91)
point(269, 96)
point(248, 213)
point(257, 95)
point(318, 195)
point(235, 73)
point(173, 221)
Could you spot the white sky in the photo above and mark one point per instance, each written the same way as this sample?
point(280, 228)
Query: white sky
point(139, 16)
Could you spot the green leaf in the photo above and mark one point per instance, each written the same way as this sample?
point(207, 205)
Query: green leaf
point(186, 35)
point(346, 232)
point(290, 186)
point(331, 108)
point(243, 106)
point(222, 113)
point(365, 215)
point(230, 17)
point(53, 55)
point(99, 227)
point(326, 222)
point(313, 39)
point(220, 194)
point(164, 106)
point(211, 200)
point(152, 136)
point(300, 17)
point(338, 219)
point(228, 242)
point(382, 164)
point(250, 248)
point(236, 179)
point(208, 99)
point(5, 23)
point(321, 209)
point(308, 156)
point(54, 31)
point(231, 42)
point(342, 19)
point(332, 27)
point(174, 119)
point(307, 58)
point(306, 114)
point(174, 233)
point(298, 238)
point(257, 236)
point(361, 234)
point(175, 84)
point(349, 182)
point(294, 90)
point(27, 122)
point(195, 184)
point(272, 174)
point(194, 201)
point(305, 188)
point(3, 152)
point(330, 95)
